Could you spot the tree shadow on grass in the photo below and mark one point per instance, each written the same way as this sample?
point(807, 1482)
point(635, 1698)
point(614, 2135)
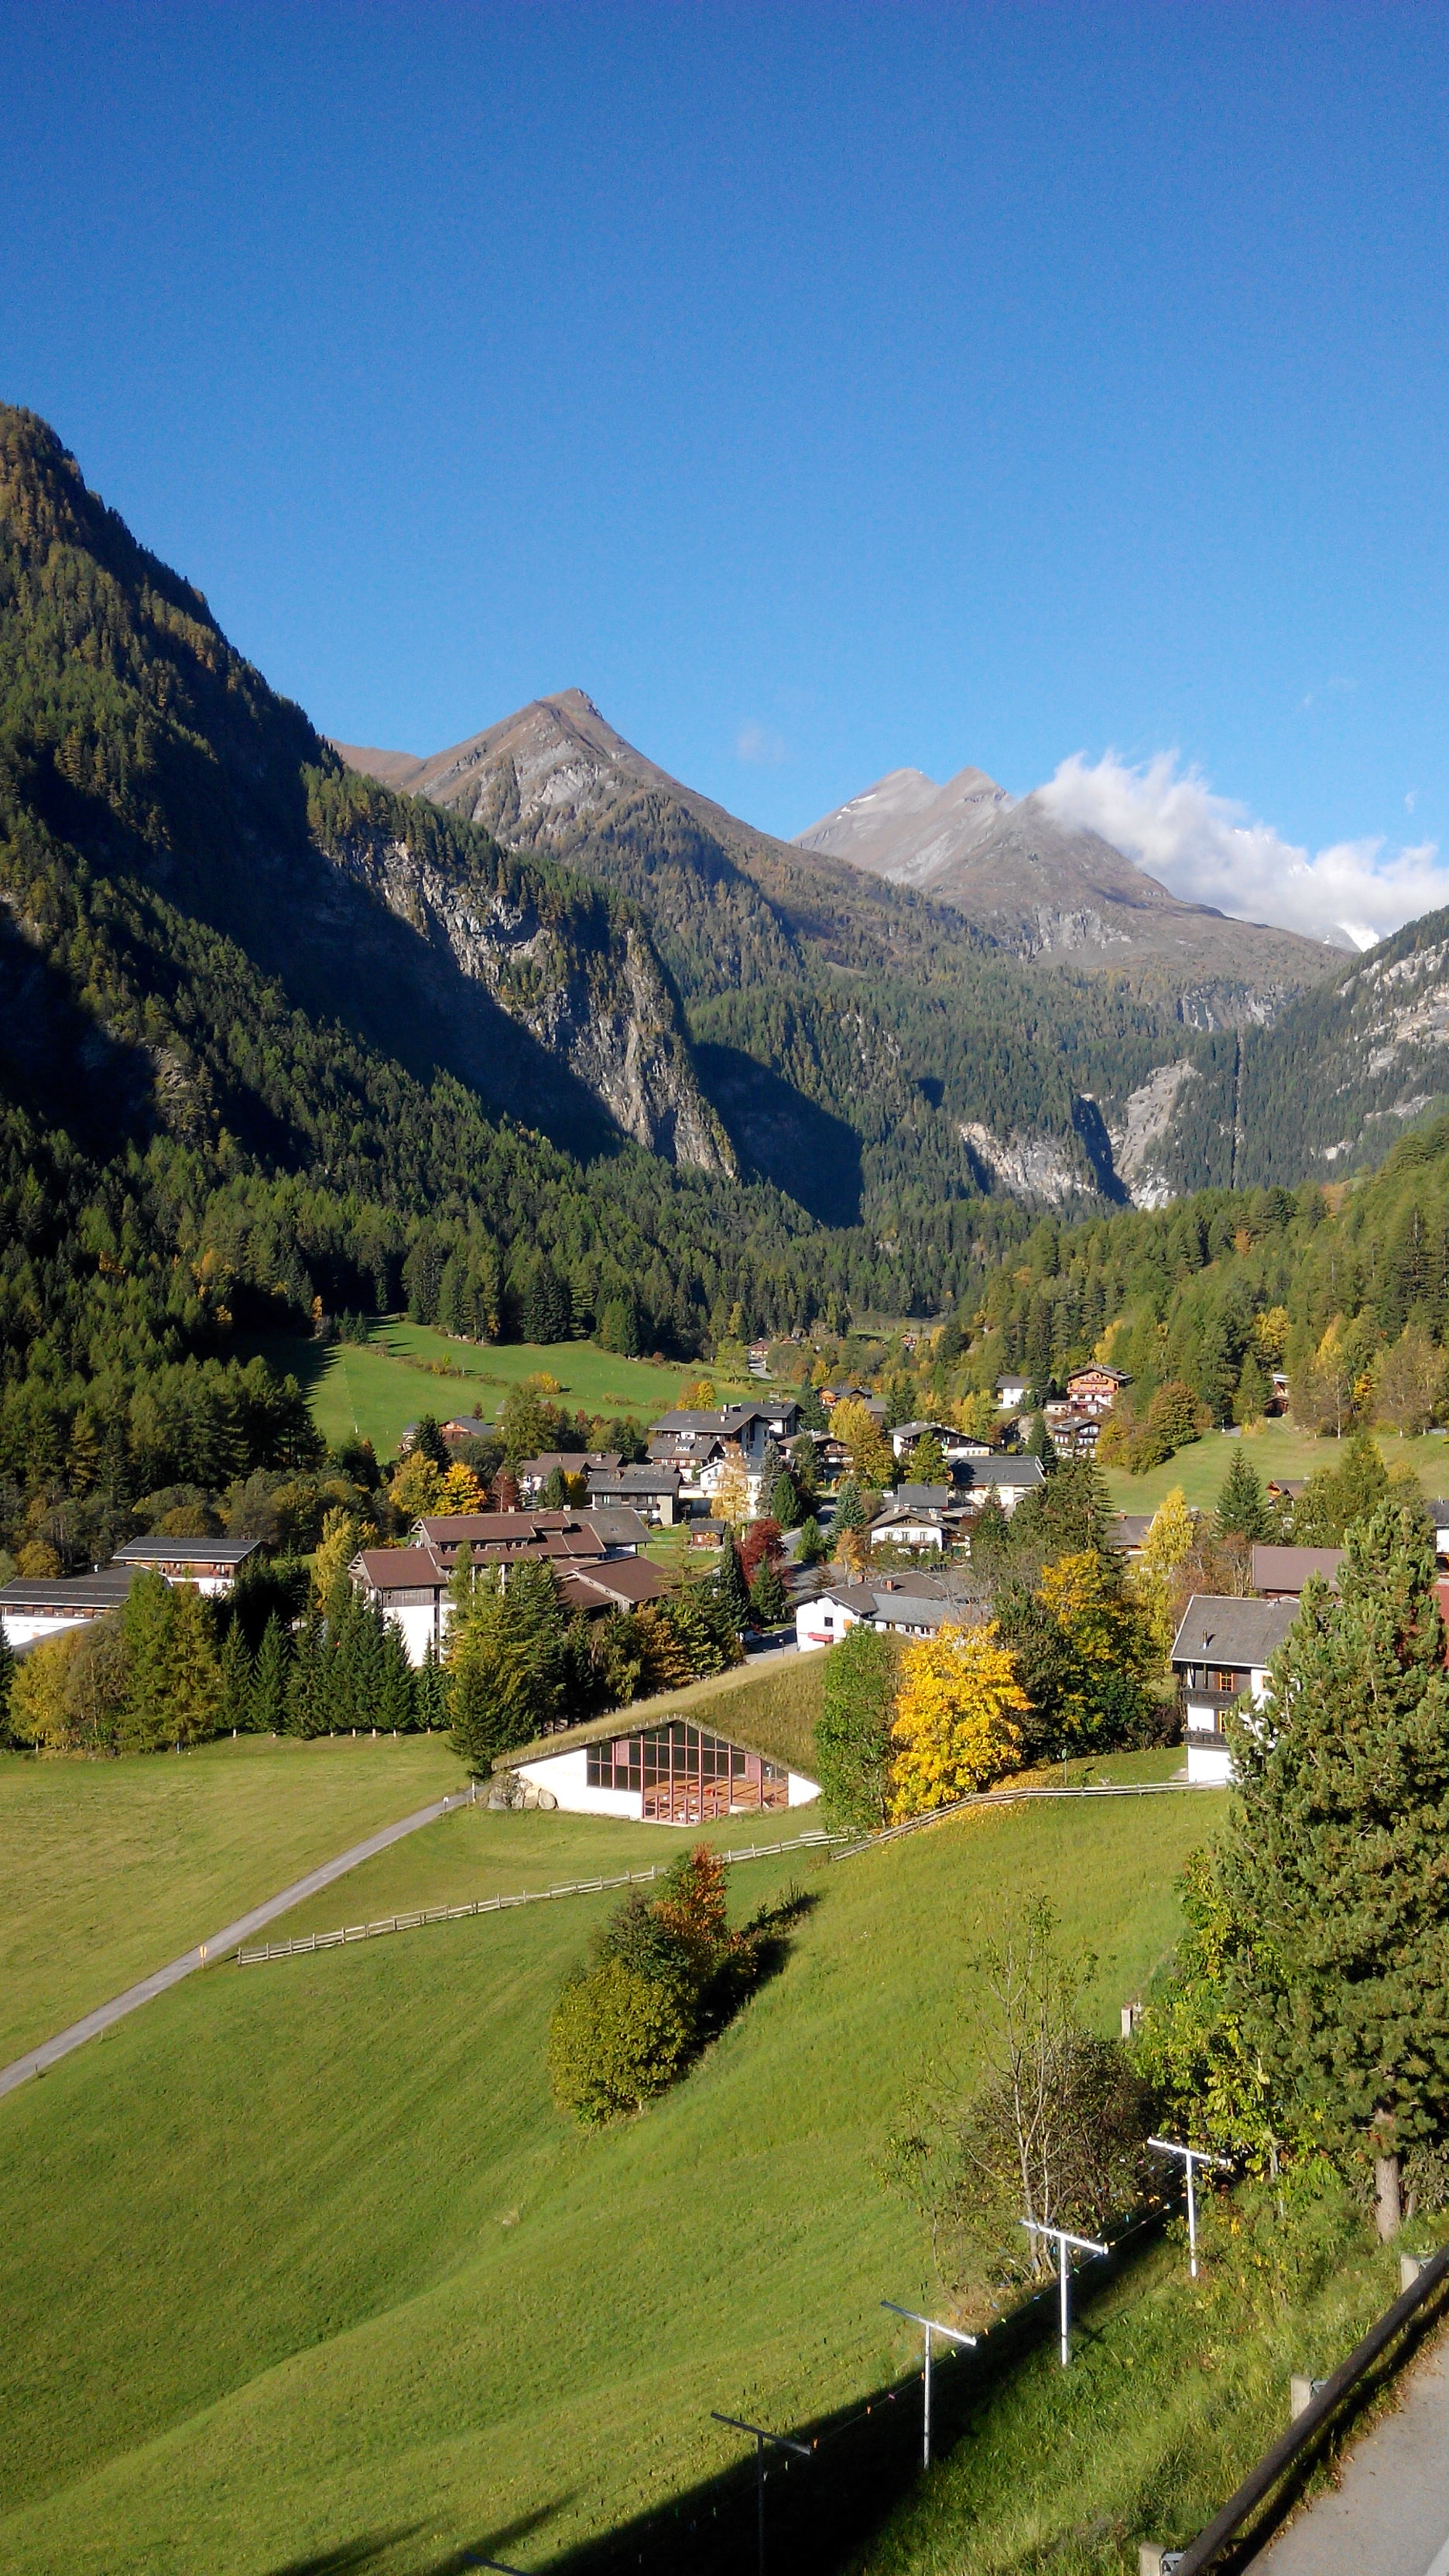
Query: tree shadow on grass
point(821, 2513)
point(380, 2549)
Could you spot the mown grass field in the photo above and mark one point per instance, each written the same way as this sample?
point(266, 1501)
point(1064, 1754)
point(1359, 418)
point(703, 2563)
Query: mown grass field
point(109, 1869)
point(1275, 1449)
point(404, 1370)
point(302, 2267)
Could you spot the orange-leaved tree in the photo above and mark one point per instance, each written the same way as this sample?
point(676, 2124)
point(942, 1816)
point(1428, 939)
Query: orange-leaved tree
point(955, 1727)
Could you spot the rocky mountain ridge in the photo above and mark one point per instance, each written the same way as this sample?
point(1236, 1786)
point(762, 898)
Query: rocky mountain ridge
point(1044, 890)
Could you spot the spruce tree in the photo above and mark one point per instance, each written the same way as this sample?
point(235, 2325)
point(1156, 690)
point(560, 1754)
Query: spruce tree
point(1242, 1510)
point(306, 1679)
point(783, 1504)
point(1336, 1860)
point(397, 1695)
point(554, 1497)
point(769, 1603)
point(729, 1584)
point(431, 1692)
point(147, 1626)
point(269, 1679)
point(849, 1509)
point(234, 1707)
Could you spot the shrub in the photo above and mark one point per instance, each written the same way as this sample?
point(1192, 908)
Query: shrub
point(615, 2040)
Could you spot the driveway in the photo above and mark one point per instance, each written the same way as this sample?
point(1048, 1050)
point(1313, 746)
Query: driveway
point(1389, 2516)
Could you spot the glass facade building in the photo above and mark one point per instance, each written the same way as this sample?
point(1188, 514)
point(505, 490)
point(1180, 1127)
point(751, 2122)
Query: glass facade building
point(685, 1776)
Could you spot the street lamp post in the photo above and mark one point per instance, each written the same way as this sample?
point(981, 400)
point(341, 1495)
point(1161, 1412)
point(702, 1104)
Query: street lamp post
point(1191, 2157)
point(1062, 2237)
point(782, 2442)
point(930, 2326)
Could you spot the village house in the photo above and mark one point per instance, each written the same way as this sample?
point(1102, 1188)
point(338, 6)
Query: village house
point(1012, 1389)
point(594, 1557)
point(1095, 1388)
point(33, 1608)
point(1009, 1478)
point(953, 1444)
point(652, 1491)
point(1221, 1655)
point(909, 1604)
point(1279, 1573)
point(532, 1474)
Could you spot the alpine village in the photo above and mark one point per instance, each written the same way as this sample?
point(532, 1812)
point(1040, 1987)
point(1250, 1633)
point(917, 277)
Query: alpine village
point(724, 1576)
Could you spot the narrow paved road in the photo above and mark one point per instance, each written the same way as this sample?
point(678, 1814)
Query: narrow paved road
point(36, 2060)
point(1390, 2514)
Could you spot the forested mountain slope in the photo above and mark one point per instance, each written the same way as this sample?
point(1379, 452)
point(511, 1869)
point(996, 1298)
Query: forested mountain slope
point(159, 802)
point(1043, 889)
point(1345, 1287)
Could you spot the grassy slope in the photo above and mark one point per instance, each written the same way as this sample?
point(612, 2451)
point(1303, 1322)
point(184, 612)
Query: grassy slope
point(303, 2254)
point(1175, 2388)
point(379, 1388)
point(1275, 1450)
point(769, 1704)
point(108, 1869)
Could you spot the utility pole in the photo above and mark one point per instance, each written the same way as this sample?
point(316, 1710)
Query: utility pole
point(782, 2442)
point(1191, 2157)
point(931, 2325)
point(1062, 2237)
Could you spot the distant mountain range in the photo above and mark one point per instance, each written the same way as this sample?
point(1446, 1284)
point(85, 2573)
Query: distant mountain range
point(1044, 890)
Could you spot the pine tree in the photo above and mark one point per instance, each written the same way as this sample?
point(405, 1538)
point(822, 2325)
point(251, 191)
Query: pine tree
point(849, 1509)
point(783, 1504)
point(397, 1696)
point(269, 1679)
point(1255, 1391)
point(811, 1545)
point(431, 1691)
point(147, 1625)
point(554, 1497)
point(1242, 1510)
point(769, 1603)
point(1335, 1862)
point(307, 1679)
point(195, 1692)
point(234, 1708)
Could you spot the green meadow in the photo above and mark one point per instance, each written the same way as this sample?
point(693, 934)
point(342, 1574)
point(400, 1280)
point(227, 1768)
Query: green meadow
point(303, 2269)
point(1276, 1450)
point(109, 1869)
point(378, 1387)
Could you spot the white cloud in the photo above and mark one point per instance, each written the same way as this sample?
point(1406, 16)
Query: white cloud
point(1208, 850)
point(756, 743)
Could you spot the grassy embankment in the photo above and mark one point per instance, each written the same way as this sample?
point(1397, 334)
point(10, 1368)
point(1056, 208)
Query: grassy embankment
point(109, 1869)
point(1276, 1450)
point(379, 1387)
point(302, 2261)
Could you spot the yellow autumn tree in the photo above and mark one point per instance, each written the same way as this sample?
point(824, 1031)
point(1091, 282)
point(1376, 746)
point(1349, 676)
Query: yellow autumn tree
point(955, 1727)
point(872, 1461)
point(1087, 1597)
point(460, 1491)
point(416, 1486)
point(336, 1548)
point(1153, 1585)
point(732, 1493)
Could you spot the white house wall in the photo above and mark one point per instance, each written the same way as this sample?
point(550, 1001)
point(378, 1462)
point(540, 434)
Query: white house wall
point(32, 1627)
point(566, 1775)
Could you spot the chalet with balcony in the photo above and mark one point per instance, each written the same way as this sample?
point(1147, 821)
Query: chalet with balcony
point(1221, 1655)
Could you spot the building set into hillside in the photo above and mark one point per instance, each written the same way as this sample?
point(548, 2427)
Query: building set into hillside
point(673, 1773)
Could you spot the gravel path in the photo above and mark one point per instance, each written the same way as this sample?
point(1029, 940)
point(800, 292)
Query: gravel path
point(36, 2060)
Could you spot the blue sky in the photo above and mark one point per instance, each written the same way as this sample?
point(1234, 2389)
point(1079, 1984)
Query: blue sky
point(822, 389)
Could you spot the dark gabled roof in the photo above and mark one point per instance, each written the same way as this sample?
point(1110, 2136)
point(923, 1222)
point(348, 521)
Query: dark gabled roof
point(657, 1479)
point(105, 1590)
point(185, 1551)
point(401, 1569)
point(615, 1525)
point(1438, 1512)
point(1000, 1469)
point(1217, 1629)
point(923, 1498)
point(625, 1582)
point(1287, 1569)
point(569, 1462)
